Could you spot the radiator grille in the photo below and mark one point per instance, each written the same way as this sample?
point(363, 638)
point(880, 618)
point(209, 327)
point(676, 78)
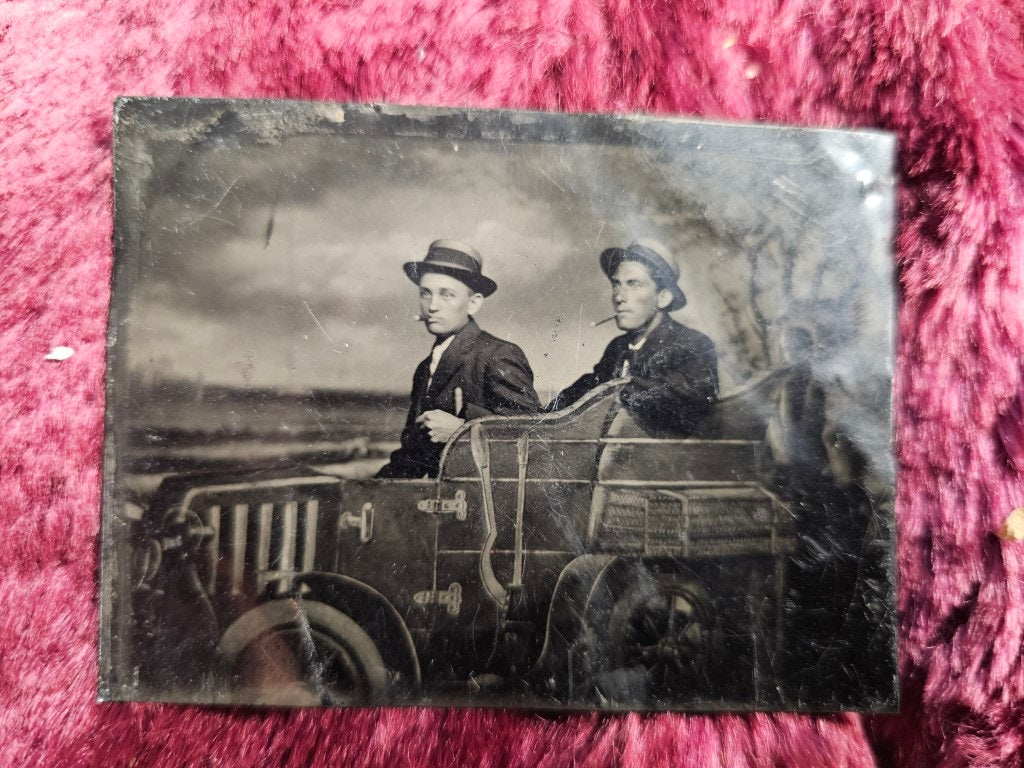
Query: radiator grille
point(251, 536)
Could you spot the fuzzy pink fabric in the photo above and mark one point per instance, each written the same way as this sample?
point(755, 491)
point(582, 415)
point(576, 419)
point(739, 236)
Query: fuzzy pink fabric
point(947, 76)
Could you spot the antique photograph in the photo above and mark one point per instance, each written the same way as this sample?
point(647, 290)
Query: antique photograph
point(449, 407)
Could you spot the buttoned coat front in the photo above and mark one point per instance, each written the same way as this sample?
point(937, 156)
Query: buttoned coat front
point(478, 375)
point(673, 378)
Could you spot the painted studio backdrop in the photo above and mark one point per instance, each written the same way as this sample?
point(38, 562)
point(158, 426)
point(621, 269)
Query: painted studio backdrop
point(271, 252)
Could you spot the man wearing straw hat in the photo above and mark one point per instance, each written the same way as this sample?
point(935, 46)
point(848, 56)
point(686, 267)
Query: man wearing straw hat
point(469, 373)
point(672, 369)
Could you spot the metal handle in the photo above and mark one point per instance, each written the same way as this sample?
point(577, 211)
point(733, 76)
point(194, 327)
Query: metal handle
point(363, 521)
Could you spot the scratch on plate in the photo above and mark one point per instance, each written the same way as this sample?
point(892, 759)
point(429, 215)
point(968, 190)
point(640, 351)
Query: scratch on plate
point(552, 180)
point(579, 334)
point(209, 214)
point(318, 325)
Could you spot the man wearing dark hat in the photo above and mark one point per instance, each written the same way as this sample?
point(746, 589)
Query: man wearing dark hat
point(672, 369)
point(469, 372)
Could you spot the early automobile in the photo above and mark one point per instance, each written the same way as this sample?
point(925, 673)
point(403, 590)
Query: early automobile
point(556, 560)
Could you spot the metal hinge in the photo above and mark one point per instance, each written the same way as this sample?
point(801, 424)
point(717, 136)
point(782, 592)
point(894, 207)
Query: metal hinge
point(452, 597)
point(456, 506)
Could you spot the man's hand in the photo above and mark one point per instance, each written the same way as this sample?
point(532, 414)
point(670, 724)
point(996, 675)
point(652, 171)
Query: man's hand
point(440, 425)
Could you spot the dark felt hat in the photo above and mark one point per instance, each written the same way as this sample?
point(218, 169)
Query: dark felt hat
point(657, 258)
point(458, 260)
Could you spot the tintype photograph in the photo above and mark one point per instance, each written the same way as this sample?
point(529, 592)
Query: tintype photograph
point(414, 406)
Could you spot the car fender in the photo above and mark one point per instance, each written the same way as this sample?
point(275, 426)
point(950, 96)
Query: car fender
point(374, 613)
point(557, 667)
point(620, 574)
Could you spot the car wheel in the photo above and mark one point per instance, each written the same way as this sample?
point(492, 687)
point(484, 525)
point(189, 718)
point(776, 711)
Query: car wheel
point(297, 652)
point(659, 639)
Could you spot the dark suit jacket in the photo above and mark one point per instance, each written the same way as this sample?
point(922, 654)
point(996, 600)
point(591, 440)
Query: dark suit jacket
point(673, 379)
point(495, 379)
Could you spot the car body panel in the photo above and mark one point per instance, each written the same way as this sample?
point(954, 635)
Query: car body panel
point(471, 563)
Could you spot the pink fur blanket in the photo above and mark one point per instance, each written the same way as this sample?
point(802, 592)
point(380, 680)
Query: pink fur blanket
point(947, 77)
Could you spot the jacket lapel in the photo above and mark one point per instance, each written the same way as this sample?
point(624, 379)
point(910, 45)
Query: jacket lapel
point(661, 335)
point(453, 357)
point(419, 386)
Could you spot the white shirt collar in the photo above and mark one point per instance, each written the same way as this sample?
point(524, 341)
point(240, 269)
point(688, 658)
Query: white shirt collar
point(437, 352)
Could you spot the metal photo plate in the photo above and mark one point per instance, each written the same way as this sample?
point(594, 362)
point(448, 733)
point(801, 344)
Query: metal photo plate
point(448, 407)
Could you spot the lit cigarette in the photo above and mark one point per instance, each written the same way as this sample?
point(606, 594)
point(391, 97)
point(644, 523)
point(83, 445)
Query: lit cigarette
point(602, 322)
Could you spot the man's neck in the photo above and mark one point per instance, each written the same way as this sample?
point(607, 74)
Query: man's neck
point(441, 338)
point(639, 335)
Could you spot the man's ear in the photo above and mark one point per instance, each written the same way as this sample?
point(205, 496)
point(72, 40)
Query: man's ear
point(664, 298)
point(475, 302)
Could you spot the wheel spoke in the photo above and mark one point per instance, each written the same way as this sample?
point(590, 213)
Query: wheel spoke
point(663, 633)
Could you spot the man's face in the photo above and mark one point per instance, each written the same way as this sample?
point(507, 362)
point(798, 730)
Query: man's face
point(446, 303)
point(635, 296)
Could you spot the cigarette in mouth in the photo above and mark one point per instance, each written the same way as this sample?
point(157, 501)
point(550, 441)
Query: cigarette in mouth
point(602, 322)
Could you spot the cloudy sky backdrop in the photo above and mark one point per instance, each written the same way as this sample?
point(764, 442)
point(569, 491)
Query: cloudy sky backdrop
point(277, 263)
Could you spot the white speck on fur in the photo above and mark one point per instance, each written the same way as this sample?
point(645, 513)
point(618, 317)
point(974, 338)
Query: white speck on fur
point(60, 353)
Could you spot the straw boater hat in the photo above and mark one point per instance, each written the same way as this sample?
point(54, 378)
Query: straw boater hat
point(657, 258)
point(458, 260)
